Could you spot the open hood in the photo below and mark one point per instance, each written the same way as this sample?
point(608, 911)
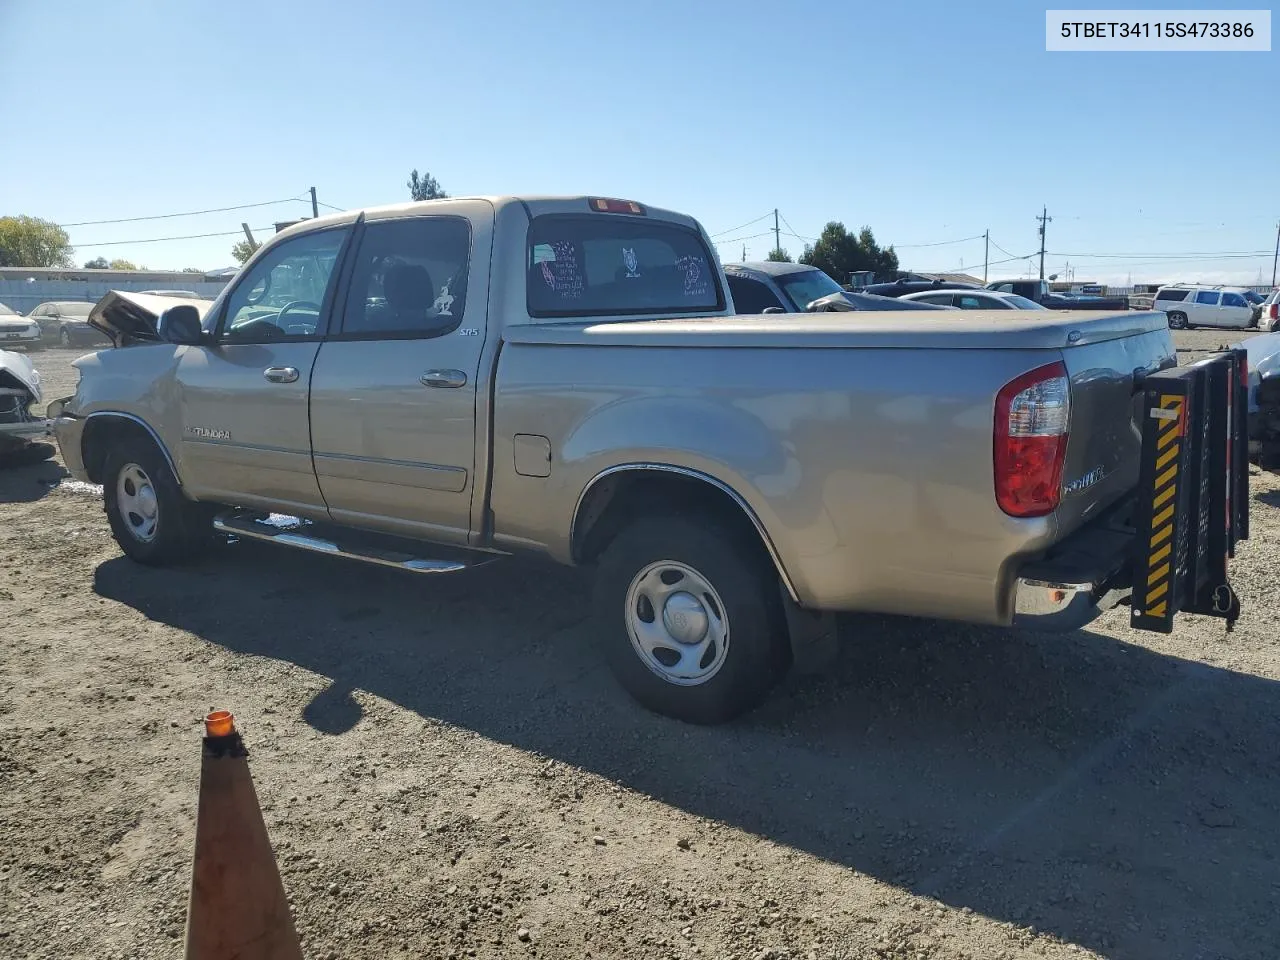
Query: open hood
point(128, 317)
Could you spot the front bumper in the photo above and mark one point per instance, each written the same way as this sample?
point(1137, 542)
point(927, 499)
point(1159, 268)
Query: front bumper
point(24, 430)
point(67, 430)
point(20, 340)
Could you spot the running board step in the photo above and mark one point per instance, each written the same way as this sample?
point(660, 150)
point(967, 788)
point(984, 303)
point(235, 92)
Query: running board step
point(388, 551)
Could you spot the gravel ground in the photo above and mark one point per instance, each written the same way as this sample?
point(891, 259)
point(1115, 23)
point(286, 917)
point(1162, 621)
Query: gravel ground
point(447, 770)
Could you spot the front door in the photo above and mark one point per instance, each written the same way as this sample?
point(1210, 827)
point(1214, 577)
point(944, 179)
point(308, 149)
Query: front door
point(245, 432)
point(393, 395)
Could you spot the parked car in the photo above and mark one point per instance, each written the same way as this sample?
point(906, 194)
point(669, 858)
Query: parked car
point(65, 322)
point(1193, 305)
point(21, 428)
point(974, 300)
point(18, 331)
point(1269, 312)
point(1039, 292)
point(764, 286)
point(430, 386)
point(900, 288)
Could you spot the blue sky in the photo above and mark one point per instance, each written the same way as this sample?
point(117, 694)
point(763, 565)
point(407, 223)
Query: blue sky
point(929, 122)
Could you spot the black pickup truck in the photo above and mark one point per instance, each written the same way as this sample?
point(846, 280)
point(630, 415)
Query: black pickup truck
point(1038, 290)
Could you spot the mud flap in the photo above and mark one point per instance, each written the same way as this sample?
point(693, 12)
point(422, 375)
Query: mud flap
point(1193, 505)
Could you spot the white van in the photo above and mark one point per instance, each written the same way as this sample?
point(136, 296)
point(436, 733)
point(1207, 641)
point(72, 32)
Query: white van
point(1193, 305)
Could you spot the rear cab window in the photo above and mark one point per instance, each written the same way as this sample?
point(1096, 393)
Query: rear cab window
point(596, 265)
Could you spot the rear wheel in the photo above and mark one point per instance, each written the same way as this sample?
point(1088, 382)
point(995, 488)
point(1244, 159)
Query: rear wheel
point(1178, 320)
point(64, 337)
point(150, 518)
point(690, 615)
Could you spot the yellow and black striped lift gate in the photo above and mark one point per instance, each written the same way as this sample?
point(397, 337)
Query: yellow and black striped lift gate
point(1193, 495)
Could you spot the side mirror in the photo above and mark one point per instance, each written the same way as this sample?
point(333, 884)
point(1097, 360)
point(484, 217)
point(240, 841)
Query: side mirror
point(180, 324)
point(773, 310)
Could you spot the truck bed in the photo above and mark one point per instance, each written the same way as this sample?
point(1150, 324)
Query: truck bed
point(967, 330)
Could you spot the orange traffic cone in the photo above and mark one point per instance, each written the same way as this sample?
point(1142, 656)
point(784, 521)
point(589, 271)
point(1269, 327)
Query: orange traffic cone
point(237, 907)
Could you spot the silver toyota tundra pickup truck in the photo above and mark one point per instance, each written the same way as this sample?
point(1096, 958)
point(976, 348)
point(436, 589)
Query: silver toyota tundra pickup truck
point(434, 385)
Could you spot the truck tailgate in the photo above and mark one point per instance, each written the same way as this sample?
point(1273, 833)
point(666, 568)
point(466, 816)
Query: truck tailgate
point(1104, 447)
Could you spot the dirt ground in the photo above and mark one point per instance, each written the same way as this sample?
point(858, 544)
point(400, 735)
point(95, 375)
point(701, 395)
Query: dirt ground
point(447, 769)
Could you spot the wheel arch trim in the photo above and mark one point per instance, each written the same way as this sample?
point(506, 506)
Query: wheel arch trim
point(151, 432)
point(737, 498)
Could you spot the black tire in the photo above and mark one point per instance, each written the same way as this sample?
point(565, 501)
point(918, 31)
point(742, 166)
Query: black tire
point(1178, 320)
point(740, 574)
point(182, 529)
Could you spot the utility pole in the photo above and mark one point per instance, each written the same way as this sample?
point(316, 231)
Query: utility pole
point(1044, 219)
point(1275, 259)
point(986, 253)
point(315, 208)
point(777, 235)
point(744, 253)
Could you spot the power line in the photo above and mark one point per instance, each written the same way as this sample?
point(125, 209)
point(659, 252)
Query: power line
point(1200, 255)
point(189, 213)
point(193, 236)
point(740, 226)
point(753, 236)
point(796, 235)
point(940, 243)
point(331, 206)
point(1003, 250)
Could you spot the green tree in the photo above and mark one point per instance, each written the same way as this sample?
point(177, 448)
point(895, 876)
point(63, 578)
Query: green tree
point(32, 242)
point(839, 253)
point(97, 263)
point(243, 250)
point(192, 270)
point(778, 255)
point(122, 264)
point(425, 187)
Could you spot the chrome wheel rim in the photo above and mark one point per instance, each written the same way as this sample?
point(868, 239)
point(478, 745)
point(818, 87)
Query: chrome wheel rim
point(136, 498)
point(64, 338)
point(677, 623)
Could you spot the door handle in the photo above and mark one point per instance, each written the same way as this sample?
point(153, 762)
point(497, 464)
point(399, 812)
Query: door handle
point(281, 374)
point(444, 378)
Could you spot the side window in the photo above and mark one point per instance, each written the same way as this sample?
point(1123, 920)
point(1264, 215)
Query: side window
point(1173, 295)
point(1234, 300)
point(941, 299)
point(1207, 297)
point(409, 279)
point(1005, 288)
point(751, 296)
point(281, 296)
point(970, 302)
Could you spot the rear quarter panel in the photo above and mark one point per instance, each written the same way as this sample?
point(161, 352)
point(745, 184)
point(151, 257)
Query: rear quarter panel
point(871, 469)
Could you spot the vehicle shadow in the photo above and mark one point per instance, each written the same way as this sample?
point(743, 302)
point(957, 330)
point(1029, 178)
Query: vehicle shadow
point(1270, 497)
point(24, 481)
point(1121, 799)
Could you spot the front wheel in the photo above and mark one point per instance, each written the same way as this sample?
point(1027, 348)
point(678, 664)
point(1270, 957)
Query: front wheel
point(150, 519)
point(690, 615)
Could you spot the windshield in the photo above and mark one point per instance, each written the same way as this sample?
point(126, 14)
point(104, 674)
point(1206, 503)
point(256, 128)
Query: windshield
point(1022, 303)
point(806, 286)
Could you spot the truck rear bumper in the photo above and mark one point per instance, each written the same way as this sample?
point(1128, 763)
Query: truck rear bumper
point(1054, 606)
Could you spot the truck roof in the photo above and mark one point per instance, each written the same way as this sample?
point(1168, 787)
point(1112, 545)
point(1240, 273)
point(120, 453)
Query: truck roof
point(768, 268)
point(535, 203)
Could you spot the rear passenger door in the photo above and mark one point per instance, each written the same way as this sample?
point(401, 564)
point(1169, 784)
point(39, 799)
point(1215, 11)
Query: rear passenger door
point(393, 393)
point(1206, 312)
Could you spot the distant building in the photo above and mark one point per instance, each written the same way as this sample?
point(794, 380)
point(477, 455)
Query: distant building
point(25, 288)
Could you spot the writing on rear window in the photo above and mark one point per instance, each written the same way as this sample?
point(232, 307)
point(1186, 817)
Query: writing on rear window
point(614, 266)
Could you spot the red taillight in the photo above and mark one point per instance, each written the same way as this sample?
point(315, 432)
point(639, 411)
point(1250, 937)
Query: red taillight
point(1033, 414)
point(609, 205)
point(1273, 311)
